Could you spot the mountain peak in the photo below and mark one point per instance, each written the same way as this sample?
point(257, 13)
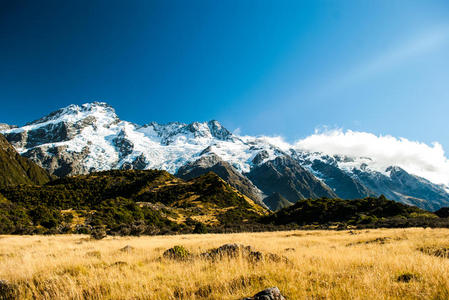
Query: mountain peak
point(218, 131)
point(75, 112)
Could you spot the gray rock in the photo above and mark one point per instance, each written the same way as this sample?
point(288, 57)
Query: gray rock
point(239, 250)
point(124, 145)
point(58, 161)
point(127, 249)
point(269, 294)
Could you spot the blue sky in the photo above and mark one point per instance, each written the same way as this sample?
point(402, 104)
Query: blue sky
point(260, 67)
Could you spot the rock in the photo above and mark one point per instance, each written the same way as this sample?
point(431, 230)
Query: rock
point(239, 250)
point(139, 163)
point(123, 144)
point(127, 249)
point(229, 251)
point(7, 290)
point(269, 294)
point(406, 277)
point(58, 160)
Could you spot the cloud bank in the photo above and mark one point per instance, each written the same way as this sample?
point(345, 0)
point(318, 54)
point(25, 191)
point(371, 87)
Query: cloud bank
point(428, 161)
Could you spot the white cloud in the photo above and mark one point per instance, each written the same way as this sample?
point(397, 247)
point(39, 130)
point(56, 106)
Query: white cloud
point(428, 161)
point(277, 141)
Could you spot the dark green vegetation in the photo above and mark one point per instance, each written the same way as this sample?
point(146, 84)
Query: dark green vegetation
point(15, 169)
point(368, 212)
point(125, 202)
point(443, 212)
point(277, 202)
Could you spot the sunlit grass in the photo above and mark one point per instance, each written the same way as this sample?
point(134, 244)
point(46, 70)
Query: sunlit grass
point(367, 264)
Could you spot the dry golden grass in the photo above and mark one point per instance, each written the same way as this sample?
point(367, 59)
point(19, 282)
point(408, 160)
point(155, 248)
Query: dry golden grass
point(323, 265)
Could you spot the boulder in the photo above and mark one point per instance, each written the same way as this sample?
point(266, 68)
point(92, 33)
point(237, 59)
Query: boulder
point(239, 250)
point(269, 294)
point(127, 249)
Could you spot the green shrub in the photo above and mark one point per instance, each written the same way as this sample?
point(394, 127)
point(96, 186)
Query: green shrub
point(177, 252)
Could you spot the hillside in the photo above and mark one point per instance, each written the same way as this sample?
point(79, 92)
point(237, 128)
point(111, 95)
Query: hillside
point(213, 163)
point(126, 202)
point(15, 169)
point(277, 202)
point(367, 212)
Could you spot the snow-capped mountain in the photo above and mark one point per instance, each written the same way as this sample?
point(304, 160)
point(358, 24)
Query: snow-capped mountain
point(352, 177)
point(81, 139)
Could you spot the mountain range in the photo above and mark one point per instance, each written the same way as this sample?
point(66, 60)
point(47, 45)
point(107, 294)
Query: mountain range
point(91, 137)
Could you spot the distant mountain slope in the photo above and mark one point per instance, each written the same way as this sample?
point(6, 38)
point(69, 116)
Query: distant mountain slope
point(276, 202)
point(352, 178)
point(285, 176)
point(342, 183)
point(15, 169)
point(401, 186)
point(88, 138)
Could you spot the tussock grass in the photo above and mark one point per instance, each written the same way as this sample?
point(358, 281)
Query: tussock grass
point(321, 266)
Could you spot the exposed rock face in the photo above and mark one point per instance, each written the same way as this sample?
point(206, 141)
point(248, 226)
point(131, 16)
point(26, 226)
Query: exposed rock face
point(139, 163)
point(124, 145)
point(213, 163)
point(285, 176)
point(260, 157)
point(58, 160)
point(269, 294)
point(340, 182)
point(15, 169)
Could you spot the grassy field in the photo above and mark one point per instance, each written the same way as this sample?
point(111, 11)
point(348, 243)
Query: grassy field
point(367, 264)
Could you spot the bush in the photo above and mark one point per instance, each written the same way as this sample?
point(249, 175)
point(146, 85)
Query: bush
point(200, 228)
point(98, 233)
point(177, 252)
